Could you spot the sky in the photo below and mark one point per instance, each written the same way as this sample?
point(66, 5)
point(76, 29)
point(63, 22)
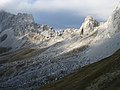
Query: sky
point(61, 13)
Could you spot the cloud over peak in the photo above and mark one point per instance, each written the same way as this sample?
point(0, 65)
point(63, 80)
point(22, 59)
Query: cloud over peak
point(100, 9)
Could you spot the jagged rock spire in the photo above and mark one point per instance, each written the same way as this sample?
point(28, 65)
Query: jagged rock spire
point(88, 25)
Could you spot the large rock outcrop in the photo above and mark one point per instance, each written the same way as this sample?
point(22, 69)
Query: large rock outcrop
point(88, 25)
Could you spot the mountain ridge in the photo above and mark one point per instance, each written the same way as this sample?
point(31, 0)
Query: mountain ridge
point(41, 53)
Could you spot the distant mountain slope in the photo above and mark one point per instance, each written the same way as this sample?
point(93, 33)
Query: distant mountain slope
point(102, 75)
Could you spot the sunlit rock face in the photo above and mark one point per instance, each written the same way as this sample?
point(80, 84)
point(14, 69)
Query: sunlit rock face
point(88, 25)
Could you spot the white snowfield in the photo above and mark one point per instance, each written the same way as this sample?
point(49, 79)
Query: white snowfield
point(57, 53)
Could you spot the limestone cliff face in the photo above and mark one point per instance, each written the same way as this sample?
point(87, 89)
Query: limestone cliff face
point(88, 25)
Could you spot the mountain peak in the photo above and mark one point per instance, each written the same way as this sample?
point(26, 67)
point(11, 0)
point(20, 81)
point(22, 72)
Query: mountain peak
point(88, 25)
point(25, 17)
point(88, 18)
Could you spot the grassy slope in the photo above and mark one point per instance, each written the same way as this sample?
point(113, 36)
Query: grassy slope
point(91, 75)
point(20, 55)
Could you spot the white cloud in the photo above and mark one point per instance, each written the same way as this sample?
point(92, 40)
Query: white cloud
point(97, 8)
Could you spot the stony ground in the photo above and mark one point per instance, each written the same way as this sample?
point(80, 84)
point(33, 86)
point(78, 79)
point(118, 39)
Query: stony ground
point(102, 75)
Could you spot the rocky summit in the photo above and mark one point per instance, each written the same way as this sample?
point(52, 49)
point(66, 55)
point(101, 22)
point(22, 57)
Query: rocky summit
point(88, 25)
point(32, 55)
